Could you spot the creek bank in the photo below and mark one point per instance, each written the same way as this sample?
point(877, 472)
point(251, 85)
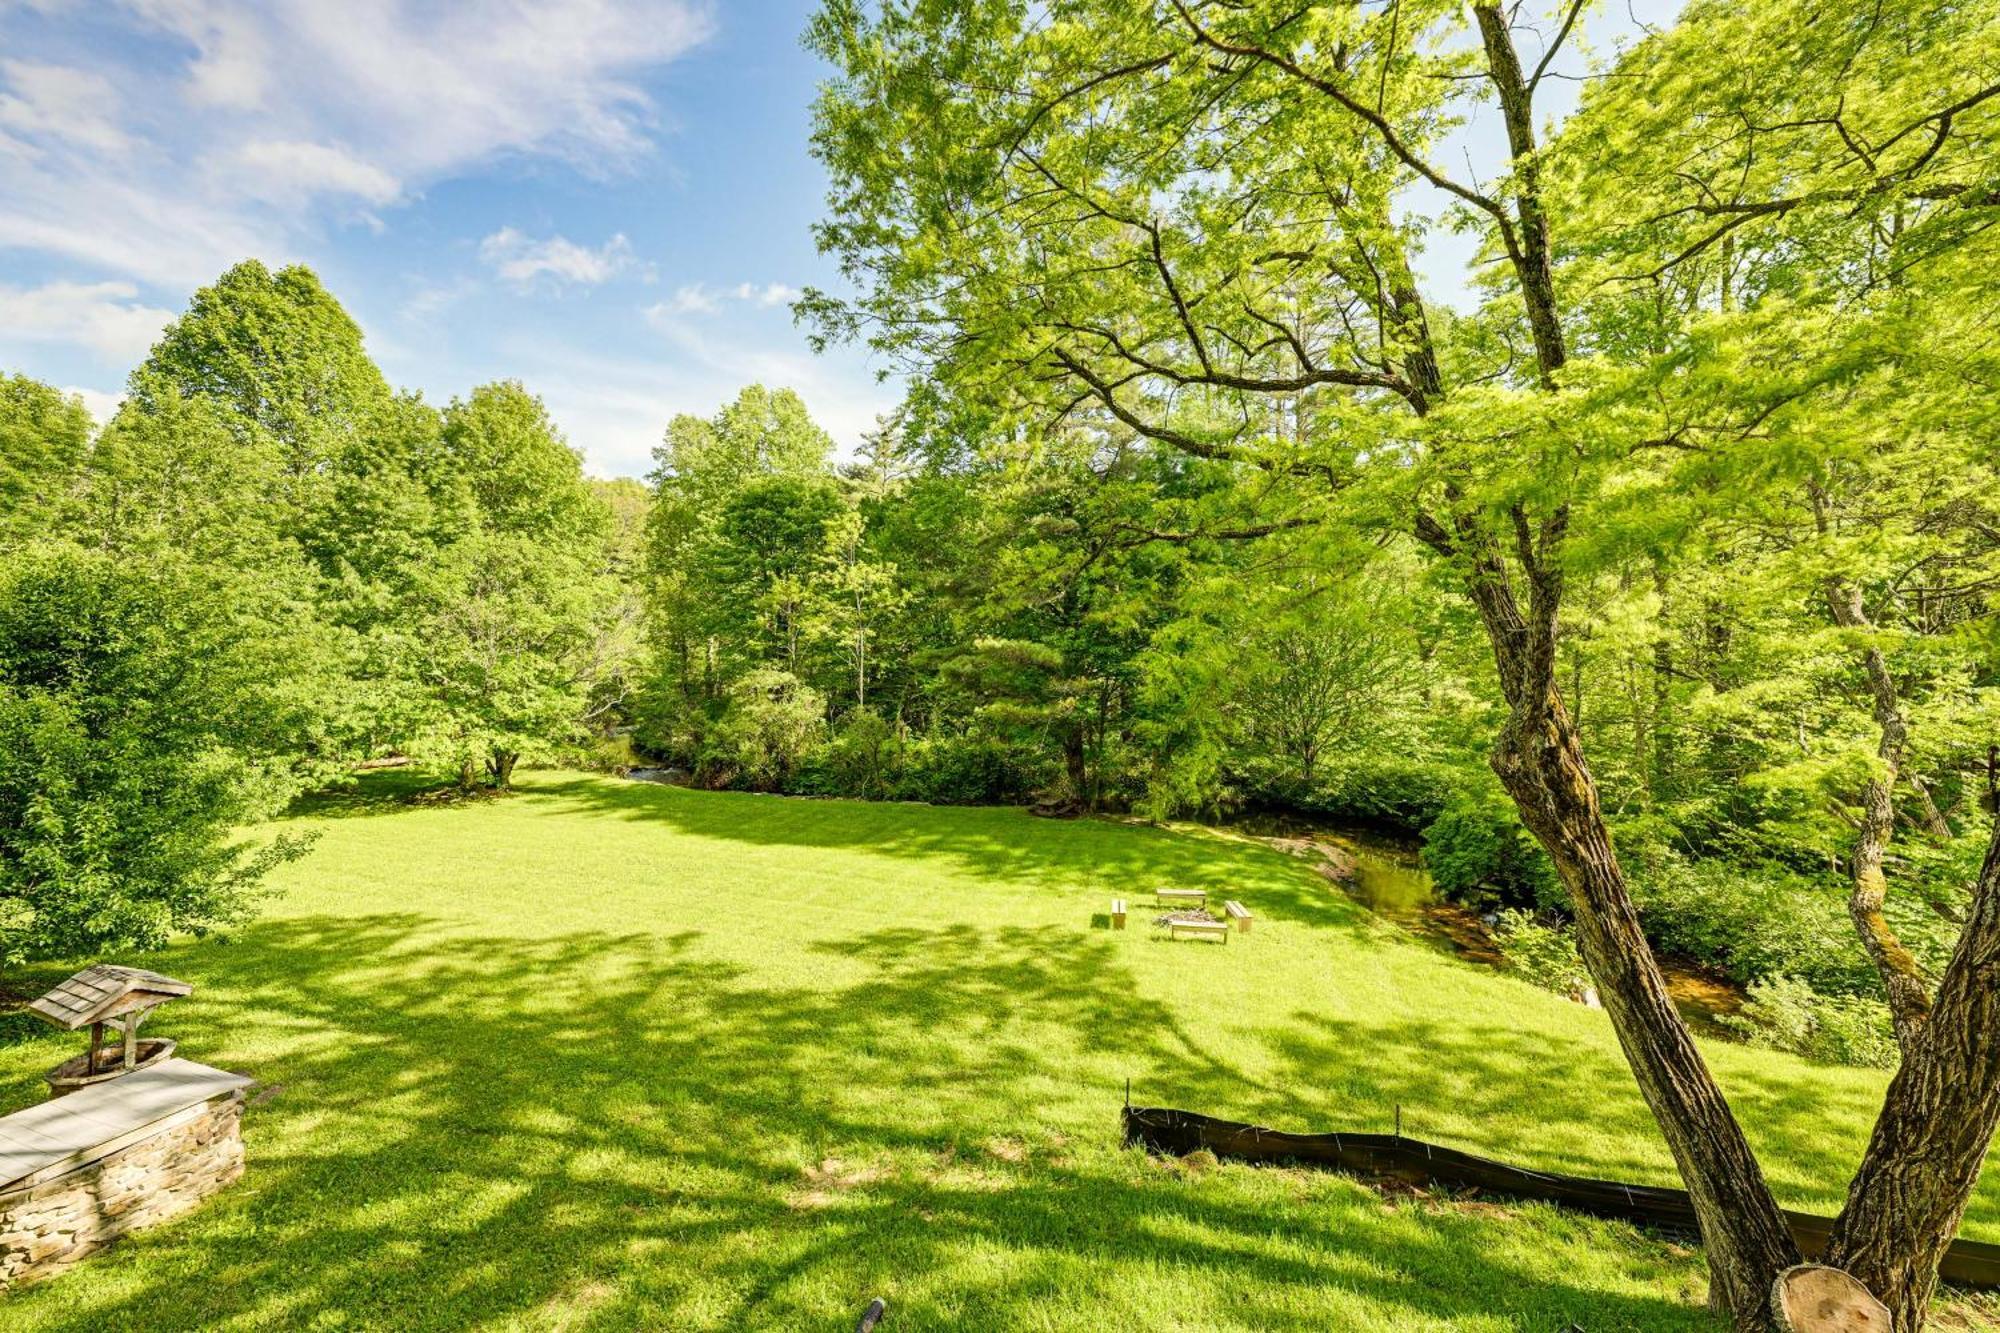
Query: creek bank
point(1385, 873)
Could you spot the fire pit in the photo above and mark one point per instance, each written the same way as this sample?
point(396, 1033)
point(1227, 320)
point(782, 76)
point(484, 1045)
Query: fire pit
point(96, 997)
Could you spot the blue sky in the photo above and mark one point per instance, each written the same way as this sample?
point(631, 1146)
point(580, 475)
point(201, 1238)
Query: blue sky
point(609, 200)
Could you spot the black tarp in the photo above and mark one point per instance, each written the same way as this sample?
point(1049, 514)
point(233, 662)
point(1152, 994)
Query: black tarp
point(1414, 1162)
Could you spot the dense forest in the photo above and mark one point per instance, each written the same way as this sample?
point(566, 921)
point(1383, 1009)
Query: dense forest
point(1664, 573)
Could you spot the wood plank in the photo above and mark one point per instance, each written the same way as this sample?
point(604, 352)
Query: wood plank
point(55, 1132)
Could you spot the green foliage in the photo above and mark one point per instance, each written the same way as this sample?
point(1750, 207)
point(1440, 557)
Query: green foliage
point(281, 354)
point(1785, 1013)
point(43, 439)
point(506, 653)
point(1478, 853)
point(524, 479)
point(1752, 920)
point(863, 753)
point(1369, 788)
point(772, 723)
point(145, 716)
point(1543, 954)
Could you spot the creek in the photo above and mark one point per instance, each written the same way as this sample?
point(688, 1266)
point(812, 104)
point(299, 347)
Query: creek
point(1385, 873)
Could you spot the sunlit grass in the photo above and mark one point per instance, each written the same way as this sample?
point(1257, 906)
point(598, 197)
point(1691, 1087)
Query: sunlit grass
point(608, 1055)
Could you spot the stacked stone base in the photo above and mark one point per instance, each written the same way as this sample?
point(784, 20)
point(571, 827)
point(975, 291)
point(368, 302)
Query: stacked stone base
point(48, 1225)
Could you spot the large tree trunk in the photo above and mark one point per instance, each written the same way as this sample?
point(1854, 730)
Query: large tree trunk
point(1937, 1122)
point(1539, 760)
point(1748, 1244)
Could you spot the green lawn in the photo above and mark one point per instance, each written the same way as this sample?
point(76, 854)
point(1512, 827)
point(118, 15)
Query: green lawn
point(607, 1055)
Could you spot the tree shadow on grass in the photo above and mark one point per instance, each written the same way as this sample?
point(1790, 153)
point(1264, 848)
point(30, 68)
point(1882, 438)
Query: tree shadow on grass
point(604, 1130)
point(1123, 859)
point(383, 792)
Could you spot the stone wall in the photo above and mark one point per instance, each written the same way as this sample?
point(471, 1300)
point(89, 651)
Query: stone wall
point(48, 1225)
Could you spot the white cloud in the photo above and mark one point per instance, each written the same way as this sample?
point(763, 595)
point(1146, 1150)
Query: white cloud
point(693, 299)
point(60, 102)
point(267, 118)
point(232, 64)
point(521, 259)
point(101, 403)
point(698, 298)
point(292, 172)
point(103, 316)
point(615, 408)
point(770, 294)
point(428, 88)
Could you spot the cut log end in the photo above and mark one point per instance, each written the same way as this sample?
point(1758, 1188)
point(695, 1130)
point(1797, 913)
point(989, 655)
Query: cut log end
point(1812, 1298)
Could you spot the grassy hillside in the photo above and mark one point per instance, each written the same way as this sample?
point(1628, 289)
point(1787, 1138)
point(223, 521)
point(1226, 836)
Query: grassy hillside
point(607, 1055)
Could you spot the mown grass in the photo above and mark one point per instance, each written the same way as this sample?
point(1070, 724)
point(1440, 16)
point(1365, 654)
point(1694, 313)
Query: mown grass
point(604, 1055)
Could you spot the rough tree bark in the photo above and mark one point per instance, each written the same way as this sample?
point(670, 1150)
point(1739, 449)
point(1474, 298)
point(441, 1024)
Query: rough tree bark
point(1539, 760)
point(1938, 1119)
point(1903, 981)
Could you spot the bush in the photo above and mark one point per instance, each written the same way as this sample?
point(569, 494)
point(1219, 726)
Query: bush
point(1478, 854)
point(146, 714)
point(1787, 1014)
point(772, 724)
point(1752, 921)
point(1372, 789)
point(1544, 955)
point(963, 770)
point(864, 754)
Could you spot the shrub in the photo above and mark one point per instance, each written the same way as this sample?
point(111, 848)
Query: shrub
point(772, 723)
point(1374, 789)
point(1478, 853)
point(1545, 955)
point(864, 754)
point(1752, 921)
point(146, 714)
point(963, 770)
point(1787, 1014)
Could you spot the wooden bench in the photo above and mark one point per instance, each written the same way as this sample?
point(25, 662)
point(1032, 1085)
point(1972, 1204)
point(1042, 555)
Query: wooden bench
point(1184, 897)
point(1201, 930)
point(1118, 914)
point(1239, 914)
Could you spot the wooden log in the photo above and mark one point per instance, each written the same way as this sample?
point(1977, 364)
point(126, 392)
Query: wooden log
point(871, 1316)
point(1812, 1298)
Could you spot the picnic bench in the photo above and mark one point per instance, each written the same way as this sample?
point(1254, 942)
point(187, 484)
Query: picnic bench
point(1201, 930)
point(1183, 897)
point(1239, 914)
point(1118, 914)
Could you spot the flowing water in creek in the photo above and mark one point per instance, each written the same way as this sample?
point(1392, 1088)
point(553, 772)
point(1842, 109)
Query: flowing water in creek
point(1386, 874)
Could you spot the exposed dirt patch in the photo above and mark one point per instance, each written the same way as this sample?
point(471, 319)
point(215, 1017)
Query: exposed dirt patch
point(1008, 1150)
point(824, 1184)
point(1701, 995)
point(1329, 859)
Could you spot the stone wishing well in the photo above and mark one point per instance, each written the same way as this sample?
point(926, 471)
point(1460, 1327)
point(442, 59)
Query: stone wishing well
point(129, 1138)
